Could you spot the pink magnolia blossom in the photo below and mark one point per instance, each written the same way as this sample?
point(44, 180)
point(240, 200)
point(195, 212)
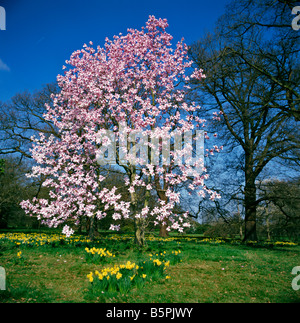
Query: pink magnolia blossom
point(138, 80)
point(67, 231)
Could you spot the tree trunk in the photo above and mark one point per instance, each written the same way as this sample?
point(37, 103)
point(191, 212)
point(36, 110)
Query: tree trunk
point(250, 195)
point(163, 227)
point(139, 223)
point(80, 225)
point(241, 231)
point(240, 220)
point(161, 192)
point(268, 223)
point(140, 226)
point(163, 231)
point(92, 228)
point(268, 229)
point(250, 211)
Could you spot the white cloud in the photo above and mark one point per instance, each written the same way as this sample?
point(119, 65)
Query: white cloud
point(3, 66)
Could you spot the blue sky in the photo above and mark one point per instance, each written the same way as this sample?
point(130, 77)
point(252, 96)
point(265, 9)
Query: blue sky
point(40, 35)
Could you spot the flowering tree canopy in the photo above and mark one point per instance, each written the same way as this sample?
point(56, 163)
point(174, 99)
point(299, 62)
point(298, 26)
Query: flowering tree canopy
point(134, 89)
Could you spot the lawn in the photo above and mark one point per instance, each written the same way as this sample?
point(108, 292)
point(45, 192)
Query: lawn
point(44, 267)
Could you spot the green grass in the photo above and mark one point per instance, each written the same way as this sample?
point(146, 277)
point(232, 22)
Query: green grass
point(210, 272)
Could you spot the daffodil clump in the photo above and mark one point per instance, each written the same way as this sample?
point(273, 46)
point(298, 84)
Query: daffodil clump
point(284, 243)
point(19, 259)
point(173, 258)
point(119, 278)
point(98, 255)
point(122, 278)
point(55, 240)
point(271, 243)
point(213, 241)
point(155, 268)
point(42, 239)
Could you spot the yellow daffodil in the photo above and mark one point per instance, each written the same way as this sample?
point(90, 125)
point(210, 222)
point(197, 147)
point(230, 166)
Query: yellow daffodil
point(90, 277)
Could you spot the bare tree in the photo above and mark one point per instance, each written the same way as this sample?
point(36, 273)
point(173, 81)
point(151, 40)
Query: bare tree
point(280, 207)
point(277, 52)
point(254, 83)
point(22, 117)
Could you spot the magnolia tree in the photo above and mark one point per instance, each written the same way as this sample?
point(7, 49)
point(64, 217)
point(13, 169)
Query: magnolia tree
point(124, 104)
